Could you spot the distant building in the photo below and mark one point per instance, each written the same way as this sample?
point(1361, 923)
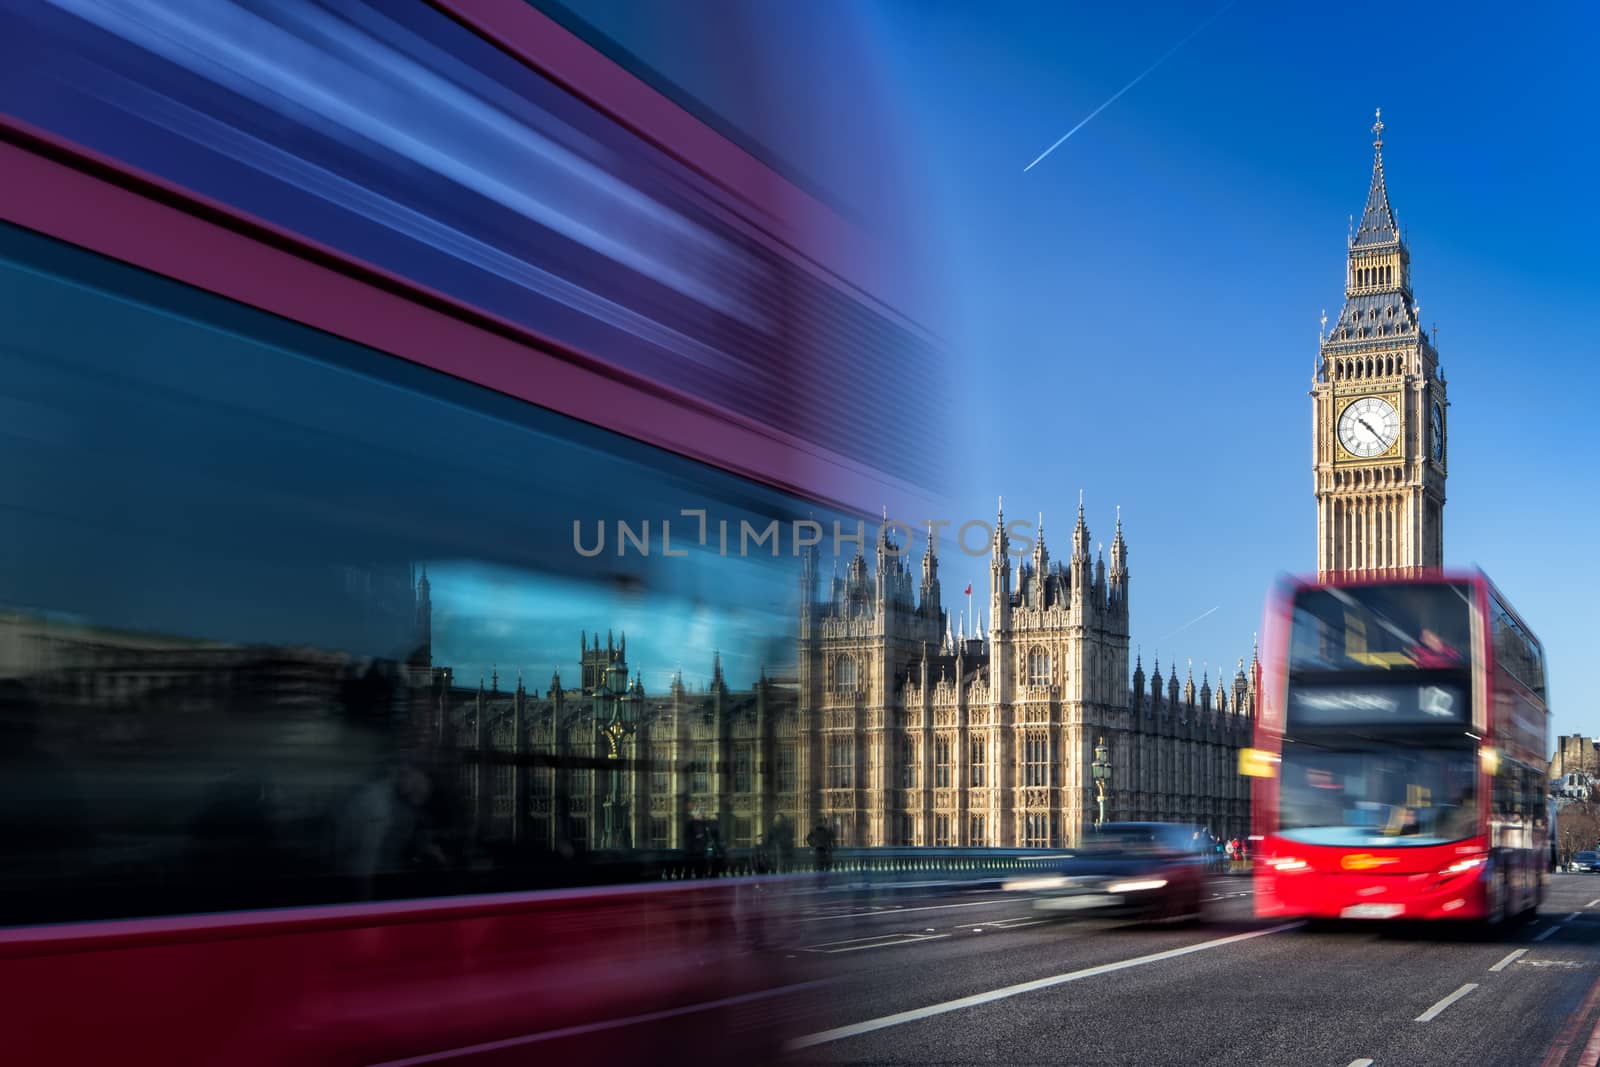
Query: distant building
point(1575, 754)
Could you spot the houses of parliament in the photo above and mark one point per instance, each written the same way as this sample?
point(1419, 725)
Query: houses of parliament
point(892, 729)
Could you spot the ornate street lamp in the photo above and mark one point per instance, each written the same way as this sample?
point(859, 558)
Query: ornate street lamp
point(1102, 777)
point(620, 726)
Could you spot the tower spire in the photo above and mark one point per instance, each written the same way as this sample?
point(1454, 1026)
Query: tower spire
point(1378, 225)
point(1119, 547)
point(1080, 535)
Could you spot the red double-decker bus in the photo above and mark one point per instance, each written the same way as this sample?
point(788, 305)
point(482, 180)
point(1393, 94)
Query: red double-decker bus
point(1399, 753)
point(323, 326)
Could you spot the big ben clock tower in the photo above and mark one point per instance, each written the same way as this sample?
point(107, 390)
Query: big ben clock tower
point(1380, 411)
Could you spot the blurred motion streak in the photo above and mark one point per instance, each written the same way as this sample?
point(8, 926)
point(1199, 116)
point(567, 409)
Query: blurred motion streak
point(324, 323)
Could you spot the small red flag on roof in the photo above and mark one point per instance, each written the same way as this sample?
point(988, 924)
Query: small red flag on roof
point(969, 588)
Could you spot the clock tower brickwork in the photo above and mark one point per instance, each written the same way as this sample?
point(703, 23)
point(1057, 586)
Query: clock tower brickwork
point(1380, 411)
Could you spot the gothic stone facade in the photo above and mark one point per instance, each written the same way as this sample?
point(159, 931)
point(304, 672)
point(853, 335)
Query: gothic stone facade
point(925, 737)
point(557, 772)
point(895, 730)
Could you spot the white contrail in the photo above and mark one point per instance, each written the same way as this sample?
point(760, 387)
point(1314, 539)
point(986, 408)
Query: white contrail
point(1165, 56)
point(1190, 623)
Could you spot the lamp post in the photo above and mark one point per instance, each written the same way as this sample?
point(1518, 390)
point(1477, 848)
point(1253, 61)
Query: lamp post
point(617, 732)
point(1101, 769)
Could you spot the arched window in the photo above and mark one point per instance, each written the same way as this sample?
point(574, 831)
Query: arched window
point(844, 673)
point(1038, 667)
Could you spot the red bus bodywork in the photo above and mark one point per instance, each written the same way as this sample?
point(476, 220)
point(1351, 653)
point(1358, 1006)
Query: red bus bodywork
point(1499, 871)
point(658, 973)
point(622, 974)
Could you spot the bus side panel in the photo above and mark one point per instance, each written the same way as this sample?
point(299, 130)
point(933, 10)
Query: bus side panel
point(483, 985)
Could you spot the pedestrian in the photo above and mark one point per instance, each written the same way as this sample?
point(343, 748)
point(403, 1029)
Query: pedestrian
point(821, 842)
point(383, 830)
point(697, 844)
point(782, 838)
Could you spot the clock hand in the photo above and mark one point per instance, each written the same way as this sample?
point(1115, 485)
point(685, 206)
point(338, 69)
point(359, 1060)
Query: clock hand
point(1368, 425)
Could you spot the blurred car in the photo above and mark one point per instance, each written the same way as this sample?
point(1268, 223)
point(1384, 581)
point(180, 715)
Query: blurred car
point(1131, 869)
point(1585, 861)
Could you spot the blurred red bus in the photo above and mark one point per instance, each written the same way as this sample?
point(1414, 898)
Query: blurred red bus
point(1400, 753)
point(295, 296)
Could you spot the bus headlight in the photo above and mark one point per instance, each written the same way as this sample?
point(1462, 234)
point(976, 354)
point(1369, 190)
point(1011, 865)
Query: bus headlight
point(1289, 865)
point(1138, 886)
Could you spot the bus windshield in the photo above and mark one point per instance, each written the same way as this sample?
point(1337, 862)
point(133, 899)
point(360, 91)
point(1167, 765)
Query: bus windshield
point(1394, 797)
point(1400, 626)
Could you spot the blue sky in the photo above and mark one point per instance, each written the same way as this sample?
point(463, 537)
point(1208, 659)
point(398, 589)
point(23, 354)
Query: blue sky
point(1137, 316)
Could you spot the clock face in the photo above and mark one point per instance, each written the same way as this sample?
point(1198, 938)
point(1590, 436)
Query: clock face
point(1369, 427)
point(1438, 433)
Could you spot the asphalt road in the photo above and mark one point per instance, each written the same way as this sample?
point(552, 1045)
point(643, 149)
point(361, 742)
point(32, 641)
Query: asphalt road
point(972, 977)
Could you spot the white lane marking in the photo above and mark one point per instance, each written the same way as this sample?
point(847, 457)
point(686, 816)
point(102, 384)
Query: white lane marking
point(1433, 1012)
point(1360, 1063)
point(1511, 957)
point(882, 941)
point(1592, 903)
point(1012, 924)
point(1005, 992)
point(590, 1028)
point(1569, 918)
point(1547, 933)
point(900, 911)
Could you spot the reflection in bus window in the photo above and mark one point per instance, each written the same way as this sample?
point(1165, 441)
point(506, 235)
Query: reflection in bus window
point(287, 621)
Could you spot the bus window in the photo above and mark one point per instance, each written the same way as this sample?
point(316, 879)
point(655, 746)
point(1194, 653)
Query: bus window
point(1516, 651)
point(1401, 796)
point(1383, 627)
point(231, 681)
